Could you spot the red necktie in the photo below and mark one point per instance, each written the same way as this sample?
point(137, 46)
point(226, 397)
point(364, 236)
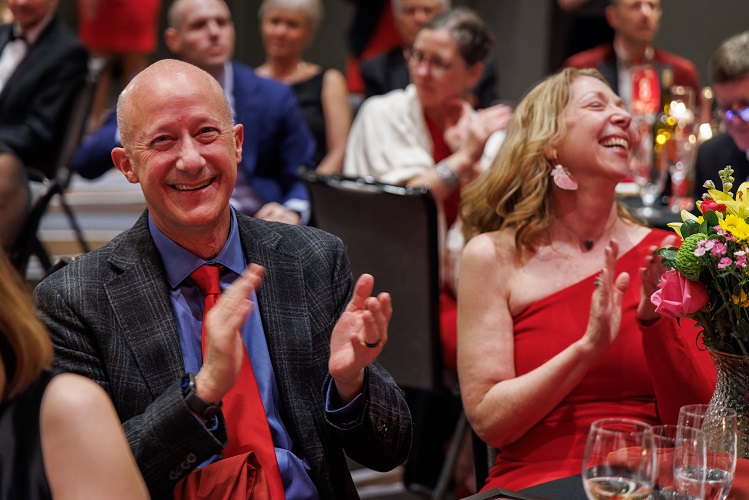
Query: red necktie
point(246, 423)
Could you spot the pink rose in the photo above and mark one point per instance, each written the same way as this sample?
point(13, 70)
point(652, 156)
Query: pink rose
point(677, 296)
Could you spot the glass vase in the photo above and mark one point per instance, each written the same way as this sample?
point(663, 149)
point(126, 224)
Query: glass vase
point(732, 391)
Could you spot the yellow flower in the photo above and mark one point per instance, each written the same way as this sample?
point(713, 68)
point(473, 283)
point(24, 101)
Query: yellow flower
point(736, 226)
point(744, 299)
point(739, 206)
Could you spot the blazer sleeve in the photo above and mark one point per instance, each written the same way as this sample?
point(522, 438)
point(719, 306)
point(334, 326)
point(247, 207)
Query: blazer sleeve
point(93, 157)
point(379, 436)
point(297, 146)
point(165, 437)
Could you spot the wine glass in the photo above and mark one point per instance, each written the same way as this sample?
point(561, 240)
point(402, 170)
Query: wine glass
point(681, 148)
point(649, 176)
point(680, 456)
point(619, 460)
point(719, 426)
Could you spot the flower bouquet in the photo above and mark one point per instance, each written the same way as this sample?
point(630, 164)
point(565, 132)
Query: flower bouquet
point(708, 281)
point(708, 278)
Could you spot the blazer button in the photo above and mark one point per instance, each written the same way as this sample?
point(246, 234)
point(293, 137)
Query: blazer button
point(381, 427)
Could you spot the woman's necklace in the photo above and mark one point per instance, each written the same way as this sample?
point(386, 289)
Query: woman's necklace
point(589, 243)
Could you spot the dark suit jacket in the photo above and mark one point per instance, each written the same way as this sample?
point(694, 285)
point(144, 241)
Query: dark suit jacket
point(111, 320)
point(714, 155)
point(35, 102)
point(603, 58)
point(276, 139)
point(389, 71)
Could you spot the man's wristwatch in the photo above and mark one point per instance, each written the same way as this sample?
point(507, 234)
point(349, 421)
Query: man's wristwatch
point(447, 175)
point(195, 403)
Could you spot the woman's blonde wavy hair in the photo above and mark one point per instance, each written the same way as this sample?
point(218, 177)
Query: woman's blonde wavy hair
point(25, 345)
point(515, 191)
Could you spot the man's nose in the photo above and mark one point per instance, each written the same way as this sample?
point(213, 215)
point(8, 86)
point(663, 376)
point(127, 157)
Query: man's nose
point(189, 156)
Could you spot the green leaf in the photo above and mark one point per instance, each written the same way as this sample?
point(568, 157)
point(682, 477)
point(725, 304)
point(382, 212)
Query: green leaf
point(710, 219)
point(689, 228)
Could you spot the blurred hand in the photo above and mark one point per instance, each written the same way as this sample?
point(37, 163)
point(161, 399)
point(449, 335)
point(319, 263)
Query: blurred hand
point(468, 130)
point(225, 349)
point(277, 213)
point(606, 306)
point(365, 321)
point(650, 275)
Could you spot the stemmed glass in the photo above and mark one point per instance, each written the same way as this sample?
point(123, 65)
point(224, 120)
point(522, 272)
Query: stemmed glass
point(679, 154)
point(619, 461)
point(680, 456)
point(649, 176)
point(719, 426)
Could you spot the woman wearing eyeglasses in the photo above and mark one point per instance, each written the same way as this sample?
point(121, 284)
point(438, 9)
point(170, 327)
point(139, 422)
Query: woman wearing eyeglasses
point(428, 134)
point(729, 75)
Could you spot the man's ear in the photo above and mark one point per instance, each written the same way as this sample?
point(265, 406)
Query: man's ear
point(172, 40)
point(611, 18)
point(474, 74)
point(124, 164)
point(238, 133)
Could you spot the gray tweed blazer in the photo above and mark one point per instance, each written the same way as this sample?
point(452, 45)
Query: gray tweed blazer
point(111, 320)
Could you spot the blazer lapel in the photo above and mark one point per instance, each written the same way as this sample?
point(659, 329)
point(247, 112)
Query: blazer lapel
point(139, 297)
point(285, 316)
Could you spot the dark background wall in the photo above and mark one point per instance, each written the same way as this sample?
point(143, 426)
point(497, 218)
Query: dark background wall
point(526, 32)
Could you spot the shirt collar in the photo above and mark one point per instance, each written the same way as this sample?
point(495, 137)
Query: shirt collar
point(179, 262)
point(623, 59)
point(32, 34)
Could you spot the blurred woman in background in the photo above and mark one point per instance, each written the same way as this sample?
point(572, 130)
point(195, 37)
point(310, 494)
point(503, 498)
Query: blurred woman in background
point(287, 27)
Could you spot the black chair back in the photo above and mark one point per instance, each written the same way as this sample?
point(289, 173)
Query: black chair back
point(391, 233)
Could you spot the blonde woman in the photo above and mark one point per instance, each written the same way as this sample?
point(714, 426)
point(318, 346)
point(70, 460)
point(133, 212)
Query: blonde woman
point(555, 324)
point(61, 436)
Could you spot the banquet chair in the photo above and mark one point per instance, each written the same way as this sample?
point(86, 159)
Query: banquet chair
point(391, 233)
point(27, 243)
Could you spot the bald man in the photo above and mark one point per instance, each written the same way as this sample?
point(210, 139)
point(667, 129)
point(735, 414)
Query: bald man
point(129, 315)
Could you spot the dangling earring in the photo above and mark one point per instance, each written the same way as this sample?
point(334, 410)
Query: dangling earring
point(563, 178)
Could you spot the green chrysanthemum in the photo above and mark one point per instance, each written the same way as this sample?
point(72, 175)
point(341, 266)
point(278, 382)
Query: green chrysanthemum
point(686, 262)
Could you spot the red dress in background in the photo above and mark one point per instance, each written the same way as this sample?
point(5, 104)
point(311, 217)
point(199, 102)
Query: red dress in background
point(648, 373)
point(119, 26)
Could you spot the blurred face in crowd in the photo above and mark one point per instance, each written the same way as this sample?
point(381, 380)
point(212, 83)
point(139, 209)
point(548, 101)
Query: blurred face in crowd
point(635, 21)
point(202, 34)
point(30, 12)
point(733, 96)
point(438, 70)
point(412, 15)
point(180, 145)
point(599, 139)
point(285, 32)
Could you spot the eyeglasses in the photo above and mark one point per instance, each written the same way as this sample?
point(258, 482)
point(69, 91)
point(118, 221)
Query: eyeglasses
point(730, 114)
point(437, 67)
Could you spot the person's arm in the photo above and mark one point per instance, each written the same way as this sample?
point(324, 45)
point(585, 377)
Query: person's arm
point(85, 451)
point(93, 157)
point(164, 435)
point(500, 405)
point(681, 372)
point(466, 136)
point(296, 148)
point(377, 431)
point(337, 114)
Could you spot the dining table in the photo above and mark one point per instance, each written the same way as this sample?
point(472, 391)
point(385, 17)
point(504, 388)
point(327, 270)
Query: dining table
point(571, 488)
